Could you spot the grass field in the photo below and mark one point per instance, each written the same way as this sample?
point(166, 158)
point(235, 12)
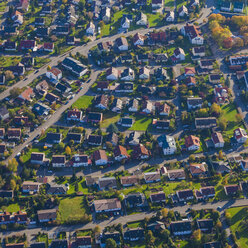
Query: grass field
point(83, 102)
point(237, 215)
point(11, 208)
point(155, 20)
point(229, 112)
point(39, 62)
point(71, 208)
point(141, 123)
point(3, 5)
point(9, 60)
point(169, 3)
point(25, 158)
point(109, 118)
point(81, 187)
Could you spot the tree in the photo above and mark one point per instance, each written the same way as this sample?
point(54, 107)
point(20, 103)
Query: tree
point(216, 109)
point(191, 158)
point(97, 229)
point(150, 237)
point(15, 92)
point(220, 154)
point(12, 165)
point(110, 243)
point(223, 123)
point(49, 68)
point(101, 24)
point(61, 146)
point(76, 187)
point(164, 212)
point(12, 184)
point(238, 117)
point(9, 75)
point(197, 235)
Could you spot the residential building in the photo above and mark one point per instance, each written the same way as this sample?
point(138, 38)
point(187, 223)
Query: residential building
point(128, 181)
point(181, 227)
point(168, 144)
point(54, 74)
point(100, 157)
point(152, 177)
point(193, 34)
point(185, 195)
point(218, 140)
point(240, 135)
point(120, 153)
point(47, 215)
point(106, 183)
point(205, 122)
point(192, 143)
point(74, 66)
point(58, 161)
point(158, 197)
point(107, 206)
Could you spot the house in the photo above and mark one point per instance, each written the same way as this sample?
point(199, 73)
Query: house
point(106, 14)
point(190, 81)
point(170, 16)
point(133, 105)
point(100, 157)
point(133, 138)
point(193, 34)
point(183, 11)
point(63, 243)
point(214, 78)
point(126, 122)
point(2, 133)
point(205, 225)
point(112, 74)
point(14, 133)
point(158, 197)
point(90, 29)
point(221, 95)
point(141, 19)
point(48, 47)
point(80, 160)
point(95, 140)
point(42, 87)
point(140, 152)
point(167, 143)
point(125, 22)
point(8, 194)
point(128, 181)
point(185, 195)
point(27, 45)
point(76, 137)
point(112, 138)
point(199, 51)
point(194, 102)
point(205, 193)
point(56, 189)
point(30, 187)
point(218, 140)
point(135, 234)
point(83, 242)
point(240, 135)
point(102, 86)
point(198, 170)
point(94, 117)
point(163, 109)
point(179, 54)
point(105, 46)
point(152, 177)
point(51, 98)
point(4, 113)
point(207, 64)
point(71, 40)
point(180, 227)
point(53, 138)
point(47, 215)
point(147, 107)
point(110, 235)
point(156, 226)
point(144, 73)
point(143, 57)
point(128, 58)
point(135, 200)
point(120, 153)
point(62, 30)
point(74, 115)
point(54, 74)
point(18, 70)
point(178, 174)
point(107, 206)
point(226, 6)
point(205, 122)
point(9, 45)
point(192, 143)
point(74, 66)
point(138, 39)
point(238, 7)
point(37, 158)
point(58, 161)
point(189, 71)
point(40, 109)
point(122, 43)
point(128, 75)
point(101, 101)
point(117, 105)
point(157, 4)
point(106, 183)
point(161, 58)
point(26, 95)
point(231, 189)
point(221, 167)
point(161, 124)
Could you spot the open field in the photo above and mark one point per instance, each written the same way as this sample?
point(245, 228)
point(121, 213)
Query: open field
point(83, 102)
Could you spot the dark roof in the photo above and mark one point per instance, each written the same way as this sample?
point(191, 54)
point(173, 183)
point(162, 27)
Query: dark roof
point(134, 199)
point(38, 245)
point(134, 234)
point(74, 136)
point(59, 244)
point(158, 197)
point(180, 226)
point(205, 224)
point(58, 159)
point(95, 139)
point(6, 193)
point(114, 235)
point(94, 116)
point(51, 137)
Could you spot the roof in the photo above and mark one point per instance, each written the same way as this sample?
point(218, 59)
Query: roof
point(231, 189)
point(107, 182)
point(197, 169)
point(189, 70)
point(206, 191)
point(194, 101)
point(53, 137)
point(14, 132)
point(137, 37)
point(180, 226)
point(83, 240)
point(185, 193)
point(100, 154)
point(192, 140)
point(74, 113)
point(121, 41)
point(107, 204)
point(217, 137)
point(27, 94)
point(158, 197)
point(95, 139)
point(74, 136)
point(239, 133)
point(167, 141)
point(58, 159)
point(205, 122)
point(152, 176)
point(129, 180)
point(55, 71)
point(176, 174)
point(47, 214)
point(139, 150)
point(37, 156)
point(120, 150)
point(102, 99)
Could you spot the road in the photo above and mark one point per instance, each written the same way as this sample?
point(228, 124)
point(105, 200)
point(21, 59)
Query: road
point(32, 230)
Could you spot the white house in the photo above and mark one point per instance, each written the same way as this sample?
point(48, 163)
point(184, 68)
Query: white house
point(122, 43)
point(125, 23)
point(170, 16)
point(54, 74)
point(128, 75)
point(90, 30)
point(148, 107)
point(193, 34)
point(112, 74)
point(168, 144)
point(240, 135)
point(141, 19)
point(100, 157)
point(144, 73)
point(192, 143)
point(218, 140)
point(183, 11)
point(179, 54)
point(138, 39)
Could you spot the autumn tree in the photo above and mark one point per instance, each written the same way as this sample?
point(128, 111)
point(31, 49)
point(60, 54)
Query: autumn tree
point(9, 75)
point(68, 150)
point(110, 243)
point(12, 184)
point(15, 92)
point(12, 165)
point(223, 123)
point(164, 212)
point(238, 117)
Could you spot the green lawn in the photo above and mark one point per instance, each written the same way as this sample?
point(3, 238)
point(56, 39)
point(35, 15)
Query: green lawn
point(3, 5)
point(81, 187)
point(134, 224)
point(71, 208)
point(229, 112)
point(83, 102)
point(169, 3)
point(109, 118)
point(9, 60)
point(26, 157)
point(141, 123)
point(237, 215)
point(155, 20)
point(11, 208)
point(39, 62)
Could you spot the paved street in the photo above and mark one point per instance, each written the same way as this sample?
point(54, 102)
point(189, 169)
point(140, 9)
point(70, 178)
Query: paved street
point(124, 219)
